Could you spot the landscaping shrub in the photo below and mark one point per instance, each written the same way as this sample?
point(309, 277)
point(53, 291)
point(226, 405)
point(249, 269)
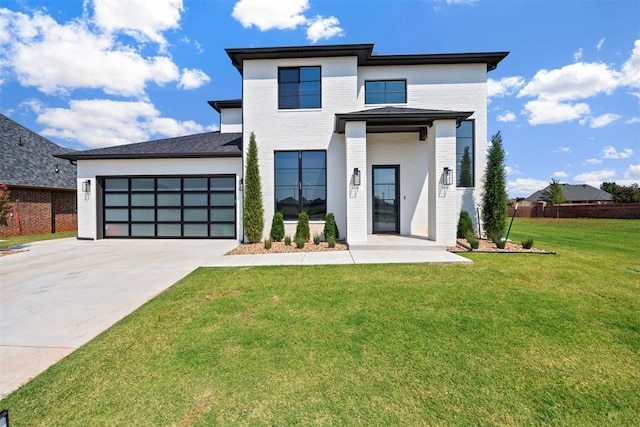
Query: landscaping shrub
point(287, 240)
point(331, 241)
point(330, 227)
point(465, 225)
point(299, 242)
point(527, 244)
point(316, 239)
point(302, 229)
point(267, 244)
point(253, 212)
point(494, 199)
point(277, 227)
point(497, 239)
point(471, 239)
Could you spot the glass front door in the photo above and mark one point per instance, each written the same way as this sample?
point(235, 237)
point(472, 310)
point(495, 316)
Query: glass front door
point(386, 200)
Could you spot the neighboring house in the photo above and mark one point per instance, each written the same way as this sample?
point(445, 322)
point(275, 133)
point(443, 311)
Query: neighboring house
point(580, 193)
point(42, 187)
point(377, 140)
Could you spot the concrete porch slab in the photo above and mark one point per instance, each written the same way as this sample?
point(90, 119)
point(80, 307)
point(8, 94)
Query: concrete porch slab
point(386, 242)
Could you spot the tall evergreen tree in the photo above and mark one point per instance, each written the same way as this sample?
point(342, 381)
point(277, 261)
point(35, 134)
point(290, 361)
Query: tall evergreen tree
point(465, 169)
point(253, 211)
point(494, 200)
point(554, 193)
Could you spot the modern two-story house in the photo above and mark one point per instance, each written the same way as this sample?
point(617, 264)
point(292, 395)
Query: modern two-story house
point(390, 144)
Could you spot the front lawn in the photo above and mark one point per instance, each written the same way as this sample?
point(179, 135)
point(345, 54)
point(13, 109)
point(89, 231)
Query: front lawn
point(514, 339)
point(9, 242)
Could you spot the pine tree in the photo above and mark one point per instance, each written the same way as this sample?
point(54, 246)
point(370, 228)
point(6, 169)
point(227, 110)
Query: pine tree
point(494, 201)
point(253, 212)
point(465, 169)
point(554, 193)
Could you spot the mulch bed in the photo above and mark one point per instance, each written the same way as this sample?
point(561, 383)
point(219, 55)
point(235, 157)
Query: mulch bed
point(487, 246)
point(281, 248)
point(4, 252)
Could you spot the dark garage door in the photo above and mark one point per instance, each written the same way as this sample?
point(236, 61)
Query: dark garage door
point(169, 207)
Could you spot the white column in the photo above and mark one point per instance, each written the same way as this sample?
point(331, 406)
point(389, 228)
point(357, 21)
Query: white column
point(443, 203)
point(356, 154)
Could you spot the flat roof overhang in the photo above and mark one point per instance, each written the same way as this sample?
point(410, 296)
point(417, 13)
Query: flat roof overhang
point(391, 119)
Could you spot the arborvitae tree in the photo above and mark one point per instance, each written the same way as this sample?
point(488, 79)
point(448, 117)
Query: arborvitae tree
point(554, 193)
point(465, 225)
point(330, 227)
point(5, 206)
point(302, 229)
point(465, 169)
point(277, 227)
point(253, 213)
point(494, 200)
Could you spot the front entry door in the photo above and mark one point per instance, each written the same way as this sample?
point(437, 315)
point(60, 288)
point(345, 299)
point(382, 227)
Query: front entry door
point(386, 199)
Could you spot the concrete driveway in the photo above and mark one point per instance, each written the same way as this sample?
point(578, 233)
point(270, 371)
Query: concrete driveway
point(60, 294)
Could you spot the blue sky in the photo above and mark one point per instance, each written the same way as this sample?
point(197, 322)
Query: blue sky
point(96, 73)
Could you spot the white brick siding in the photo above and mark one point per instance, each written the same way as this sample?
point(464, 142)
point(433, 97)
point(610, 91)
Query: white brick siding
point(231, 120)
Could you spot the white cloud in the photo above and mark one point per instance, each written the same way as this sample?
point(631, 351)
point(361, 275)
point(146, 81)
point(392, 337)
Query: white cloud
point(633, 172)
point(509, 170)
point(632, 120)
point(578, 54)
point(508, 116)
point(563, 150)
point(142, 19)
point(576, 81)
point(523, 187)
point(595, 176)
point(323, 28)
point(560, 174)
point(504, 87)
point(193, 78)
point(46, 54)
point(600, 43)
point(600, 121)
point(543, 111)
point(631, 68)
point(593, 161)
point(266, 15)
point(461, 1)
point(98, 123)
point(609, 152)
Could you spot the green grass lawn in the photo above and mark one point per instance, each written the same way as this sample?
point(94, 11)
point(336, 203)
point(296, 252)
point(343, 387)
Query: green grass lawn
point(8, 242)
point(514, 339)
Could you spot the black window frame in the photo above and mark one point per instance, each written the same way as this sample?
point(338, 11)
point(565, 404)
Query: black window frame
point(314, 216)
point(368, 92)
point(460, 153)
point(297, 84)
point(182, 207)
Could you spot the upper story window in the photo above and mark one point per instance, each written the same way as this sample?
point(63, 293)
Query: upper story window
point(299, 87)
point(385, 92)
point(465, 142)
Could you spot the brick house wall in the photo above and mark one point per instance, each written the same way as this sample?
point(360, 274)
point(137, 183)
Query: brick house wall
point(40, 211)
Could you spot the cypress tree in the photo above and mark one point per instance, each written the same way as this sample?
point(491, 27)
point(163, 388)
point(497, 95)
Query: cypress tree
point(253, 211)
point(494, 200)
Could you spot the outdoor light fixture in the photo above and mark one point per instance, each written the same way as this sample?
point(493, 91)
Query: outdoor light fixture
point(356, 177)
point(4, 418)
point(447, 176)
point(241, 184)
point(86, 186)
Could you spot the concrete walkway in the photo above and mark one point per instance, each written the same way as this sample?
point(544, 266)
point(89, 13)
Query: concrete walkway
point(60, 294)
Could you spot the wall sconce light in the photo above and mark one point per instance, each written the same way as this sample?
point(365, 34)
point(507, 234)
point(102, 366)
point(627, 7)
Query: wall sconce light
point(57, 169)
point(356, 177)
point(447, 176)
point(86, 186)
point(241, 184)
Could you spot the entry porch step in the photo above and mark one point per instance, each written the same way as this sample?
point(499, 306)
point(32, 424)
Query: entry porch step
point(389, 242)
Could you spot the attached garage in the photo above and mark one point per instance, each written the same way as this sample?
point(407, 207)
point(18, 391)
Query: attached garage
point(177, 188)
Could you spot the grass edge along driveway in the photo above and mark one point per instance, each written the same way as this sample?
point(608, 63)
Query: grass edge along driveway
point(510, 340)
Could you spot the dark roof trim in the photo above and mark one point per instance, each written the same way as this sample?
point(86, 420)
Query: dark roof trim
point(402, 118)
point(146, 156)
point(225, 103)
point(365, 55)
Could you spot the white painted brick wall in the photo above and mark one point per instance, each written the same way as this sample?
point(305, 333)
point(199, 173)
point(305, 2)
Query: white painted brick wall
point(230, 120)
point(356, 141)
point(90, 169)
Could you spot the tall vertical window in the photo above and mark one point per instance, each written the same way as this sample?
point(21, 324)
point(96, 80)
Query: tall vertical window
point(385, 92)
point(301, 183)
point(299, 87)
point(465, 142)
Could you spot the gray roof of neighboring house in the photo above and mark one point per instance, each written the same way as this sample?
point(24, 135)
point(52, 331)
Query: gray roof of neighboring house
point(28, 159)
point(210, 144)
point(397, 119)
point(575, 193)
point(365, 54)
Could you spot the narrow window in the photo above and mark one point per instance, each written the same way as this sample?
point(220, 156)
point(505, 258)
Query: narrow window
point(299, 87)
point(301, 183)
point(465, 142)
point(385, 92)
